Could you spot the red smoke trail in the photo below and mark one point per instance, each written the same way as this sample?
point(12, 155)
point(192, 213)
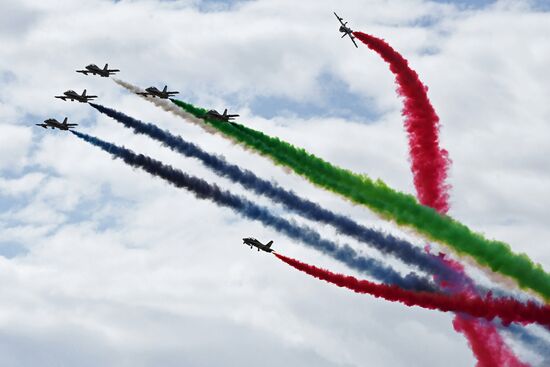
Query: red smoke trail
point(429, 161)
point(483, 337)
point(508, 310)
point(429, 167)
point(492, 352)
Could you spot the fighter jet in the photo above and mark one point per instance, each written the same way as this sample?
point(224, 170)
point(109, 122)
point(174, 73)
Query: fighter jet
point(346, 30)
point(54, 124)
point(154, 92)
point(213, 114)
point(72, 95)
point(95, 70)
point(252, 242)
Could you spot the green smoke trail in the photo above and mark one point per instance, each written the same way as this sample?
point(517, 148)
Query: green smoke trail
point(388, 203)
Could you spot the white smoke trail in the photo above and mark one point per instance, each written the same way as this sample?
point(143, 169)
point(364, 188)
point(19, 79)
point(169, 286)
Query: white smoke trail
point(180, 112)
point(167, 106)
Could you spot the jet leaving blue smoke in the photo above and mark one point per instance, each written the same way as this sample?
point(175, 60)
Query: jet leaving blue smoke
point(383, 242)
point(203, 190)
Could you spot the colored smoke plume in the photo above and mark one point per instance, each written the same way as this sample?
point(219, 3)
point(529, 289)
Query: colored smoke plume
point(204, 190)
point(508, 310)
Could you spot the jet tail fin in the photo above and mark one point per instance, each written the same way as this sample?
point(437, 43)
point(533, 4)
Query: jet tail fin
point(65, 121)
point(225, 112)
point(106, 67)
point(268, 245)
point(84, 93)
point(165, 88)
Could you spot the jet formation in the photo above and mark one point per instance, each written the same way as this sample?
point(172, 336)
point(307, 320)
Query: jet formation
point(54, 124)
point(154, 92)
point(73, 96)
point(252, 242)
point(346, 30)
point(95, 70)
point(165, 94)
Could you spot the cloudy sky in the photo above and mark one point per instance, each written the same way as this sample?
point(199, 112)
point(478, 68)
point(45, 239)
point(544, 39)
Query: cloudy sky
point(104, 265)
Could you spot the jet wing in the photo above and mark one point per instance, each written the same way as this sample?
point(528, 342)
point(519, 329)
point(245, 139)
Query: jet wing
point(61, 97)
point(353, 40)
point(339, 19)
point(43, 125)
point(85, 72)
point(145, 94)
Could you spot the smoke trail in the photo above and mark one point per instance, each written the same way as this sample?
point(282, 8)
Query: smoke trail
point(181, 113)
point(531, 341)
point(203, 190)
point(167, 106)
point(170, 107)
point(390, 204)
point(383, 242)
point(486, 343)
point(429, 164)
point(429, 161)
point(508, 310)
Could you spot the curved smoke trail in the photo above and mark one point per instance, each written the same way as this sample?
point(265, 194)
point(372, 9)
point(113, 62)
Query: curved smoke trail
point(429, 162)
point(429, 165)
point(203, 190)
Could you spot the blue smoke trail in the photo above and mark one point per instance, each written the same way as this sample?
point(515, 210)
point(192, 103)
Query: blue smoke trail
point(531, 341)
point(403, 250)
point(203, 190)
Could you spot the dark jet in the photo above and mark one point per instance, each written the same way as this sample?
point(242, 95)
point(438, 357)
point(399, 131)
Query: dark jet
point(95, 70)
point(346, 30)
point(252, 242)
point(213, 114)
point(54, 124)
point(154, 92)
point(73, 96)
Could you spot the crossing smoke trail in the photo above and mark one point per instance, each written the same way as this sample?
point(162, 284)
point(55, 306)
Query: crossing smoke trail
point(383, 242)
point(203, 190)
point(390, 204)
point(508, 310)
point(163, 105)
point(483, 337)
point(429, 164)
point(196, 111)
point(486, 343)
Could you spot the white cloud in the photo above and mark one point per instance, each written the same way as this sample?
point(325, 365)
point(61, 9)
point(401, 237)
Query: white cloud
point(14, 146)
